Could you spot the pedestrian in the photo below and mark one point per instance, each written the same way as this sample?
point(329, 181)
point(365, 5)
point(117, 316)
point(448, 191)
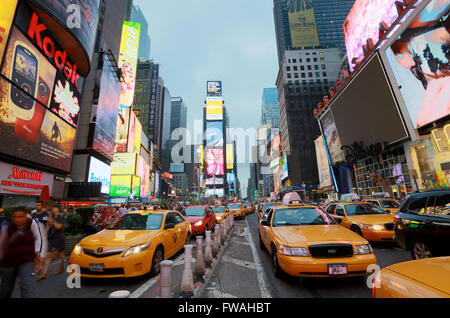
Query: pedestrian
point(123, 210)
point(3, 219)
point(20, 246)
point(41, 217)
point(56, 241)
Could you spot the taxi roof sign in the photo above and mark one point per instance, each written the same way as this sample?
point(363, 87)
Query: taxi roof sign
point(350, 197)
point(291, 198)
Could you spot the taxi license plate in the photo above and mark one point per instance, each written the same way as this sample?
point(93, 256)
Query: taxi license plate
point(96, 267)
point(337, 269)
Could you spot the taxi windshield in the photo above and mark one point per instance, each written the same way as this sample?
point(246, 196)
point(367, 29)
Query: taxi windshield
point(268, 206)
point(235, 206)
point(218, 209)
point(137, 221)
point(389, 204)
point(300, 216)
point(363, 209)
point(194, 212)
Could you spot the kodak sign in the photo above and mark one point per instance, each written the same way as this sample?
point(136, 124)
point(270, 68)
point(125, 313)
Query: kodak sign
point(36, 31)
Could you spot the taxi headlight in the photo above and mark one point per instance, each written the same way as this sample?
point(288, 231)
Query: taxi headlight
point(199, 223)
point(293, 251)
point(363, 249)
point(137, 249)
point(376, 227)
point(219, 218)
point(78, 249)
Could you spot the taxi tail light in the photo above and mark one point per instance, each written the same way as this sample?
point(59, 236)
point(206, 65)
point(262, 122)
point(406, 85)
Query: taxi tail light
point(373, 287)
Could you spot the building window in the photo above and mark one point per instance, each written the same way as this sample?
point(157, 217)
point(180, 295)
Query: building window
point(325, 81)
point(324, 74)
point(308, 60)
point(303, 75)
point(295, 68)
point(294, 61)
point(302, 68)
point(289, 75)
point(288, 68)
point(322, 59)
point(310, 74)
point(315, 59)
point(314, 53)
point(317, 74)
point(323, 67)
point(316, 67)
point(296, 75)
point(307, 53)
point(309, 67)
point(300, 60)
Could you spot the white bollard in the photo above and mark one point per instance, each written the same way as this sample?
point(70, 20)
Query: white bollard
point(187, 282)
point(120, 294)
point(199, 261)
point(166, 278)
point(216, 244)
point(222, 233)
point(208, 250)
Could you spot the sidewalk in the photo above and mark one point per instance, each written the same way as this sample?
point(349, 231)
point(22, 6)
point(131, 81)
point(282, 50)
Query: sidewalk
point(239, 273)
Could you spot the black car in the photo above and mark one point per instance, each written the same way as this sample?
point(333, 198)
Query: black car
point(422, 224)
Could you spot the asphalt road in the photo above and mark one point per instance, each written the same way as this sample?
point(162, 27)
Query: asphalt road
point(387, 253)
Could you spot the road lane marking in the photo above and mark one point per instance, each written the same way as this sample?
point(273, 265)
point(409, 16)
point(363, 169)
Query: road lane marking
point(239, 262)
point(262, 279)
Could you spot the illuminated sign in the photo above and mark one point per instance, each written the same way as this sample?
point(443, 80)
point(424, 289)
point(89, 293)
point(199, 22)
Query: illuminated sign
point(322, 163)
point(230, 156)
point(167, 175)
point(128, 58)
point(302, 23)
point(215, 162)
point(7, 9)
point(120, 186)
point(66, 102)
point(214, 108)
point(214, 181)
point(214, 134)
point(20, 180)
point(136, 187)
point(214, 88)
point(100, 172)
point(124, 164)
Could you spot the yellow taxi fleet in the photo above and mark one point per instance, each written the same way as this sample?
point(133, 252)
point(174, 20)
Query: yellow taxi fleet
point(133, 245)
point(237, 210)
point(390, 205)
point(221, 213)
point(364, 218)
point(304, 241)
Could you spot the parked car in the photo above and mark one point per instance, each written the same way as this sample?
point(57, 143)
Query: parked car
point(422, 224)
point(201, 217)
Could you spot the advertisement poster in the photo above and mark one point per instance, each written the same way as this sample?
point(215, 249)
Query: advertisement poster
point(107, 110)
point(230, 156)
point(137, 135)
point(145, 177)
point(132, 132)
point(363, 23)
point(136, 187)
point(332, 138)
point(215, 162)
point(122, 130)
point(214, 108)
point(128, 58)
point(25, 66)
point(124, 164)
point(322, 163)
point(214, 134)
point(302, 23)
point(65, 100)
point(231, 182)
point(120, 186)
point(420, 61)
point(214, 88)
point(19, 180)
point(84, 23)
point(100, 172)
point(7, 10)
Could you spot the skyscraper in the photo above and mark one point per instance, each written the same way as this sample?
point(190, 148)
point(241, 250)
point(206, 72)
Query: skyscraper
point(269, 108)
point(327, 15)
point(144, 42)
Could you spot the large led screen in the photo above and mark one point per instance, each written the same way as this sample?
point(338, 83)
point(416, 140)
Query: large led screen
point(322, 163)
point(100, 172)
point(7, 10)
point(215, 162)
point(214, 134)
point(230, 156)
point(332, 138)
point(122, 130)
point(420, 61)
point(214, 88)
point(128, 58)
point(302, 23)
point(363, 22)
point(124, 163)
point(120, 186)
point(214, 108)
point(31, 132)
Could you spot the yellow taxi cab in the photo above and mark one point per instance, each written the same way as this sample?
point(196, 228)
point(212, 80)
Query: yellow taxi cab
point(390, 205)
point(423, 278)
point(221, 212)
point(237, 210)
point(133, 245)
point(305, 241)
point(265, 207)
point(364, 218)
point(247, 208)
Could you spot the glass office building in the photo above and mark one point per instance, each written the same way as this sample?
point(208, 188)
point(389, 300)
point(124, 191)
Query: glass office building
point(270, 111)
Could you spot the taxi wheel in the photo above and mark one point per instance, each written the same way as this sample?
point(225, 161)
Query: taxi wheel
point(158, 257)
point(420, 250)
point(357, 230)
point(277, 271)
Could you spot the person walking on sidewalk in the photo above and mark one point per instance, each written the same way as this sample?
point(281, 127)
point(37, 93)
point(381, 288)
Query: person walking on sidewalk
point(20, 246)
point(41, 216)
point(56, 241)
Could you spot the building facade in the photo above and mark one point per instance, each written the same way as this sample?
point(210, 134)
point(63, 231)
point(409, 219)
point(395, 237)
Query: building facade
point(269, 107)
point(145, 42)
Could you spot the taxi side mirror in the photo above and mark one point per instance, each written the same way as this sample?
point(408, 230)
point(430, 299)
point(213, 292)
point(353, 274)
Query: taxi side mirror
point(169, 226)
point(264, 223)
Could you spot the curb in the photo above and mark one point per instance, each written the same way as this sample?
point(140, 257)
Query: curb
point(198, 292)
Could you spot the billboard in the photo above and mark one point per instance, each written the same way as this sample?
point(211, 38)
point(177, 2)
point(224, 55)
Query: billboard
point(124, 164)
point(42, 138)
point(137, 135)
point(120, 186)
point(123, 121)
point(332, 138)
point(363, 23)
point(322, 163)
point(65, 100)
point(214, 192)
point(302, 23)
point(136, 186)
point(214, 88)
point(106, 109)
point(176, 167)
point(214, 134)
point(214, 108)
point(215, 162)
point(7, 10)
point(231, 182)
point(230, 156)
point(214, 181)
point(100, 172)
point(419, 59)
point(143, 173)
point(128, 58)
point(132, 132)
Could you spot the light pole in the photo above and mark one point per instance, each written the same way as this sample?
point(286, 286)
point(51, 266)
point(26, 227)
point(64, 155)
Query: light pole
point(304, 191)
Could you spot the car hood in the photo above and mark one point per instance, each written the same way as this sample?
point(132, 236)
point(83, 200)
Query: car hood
point(193, 219)
point(118, 238)
point(220, 214)
point(317, 234)
point(372, 219)
point(434, 272)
